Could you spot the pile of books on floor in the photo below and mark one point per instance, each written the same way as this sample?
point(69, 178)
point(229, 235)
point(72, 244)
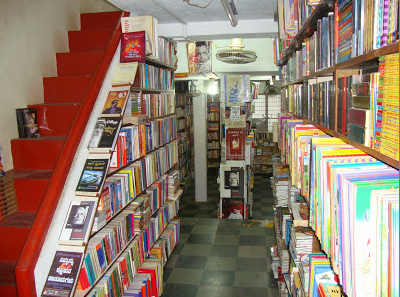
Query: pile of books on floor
point(174, 180)
point(280, 183)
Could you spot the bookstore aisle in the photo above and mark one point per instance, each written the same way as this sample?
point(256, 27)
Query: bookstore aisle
point(220, 257)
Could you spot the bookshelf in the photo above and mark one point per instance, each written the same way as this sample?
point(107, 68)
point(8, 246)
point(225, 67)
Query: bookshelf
point(340, 81)
point(184, 113)
point(135, 205)
point(213, 131)
point(265, 149)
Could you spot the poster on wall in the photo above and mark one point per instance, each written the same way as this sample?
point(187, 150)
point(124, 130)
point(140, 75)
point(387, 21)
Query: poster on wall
point(233, 180)
point(235, 143)
point(199, 57)
point(235, 116)
point(235, 89)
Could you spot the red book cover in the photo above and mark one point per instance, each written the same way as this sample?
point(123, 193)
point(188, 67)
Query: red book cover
point(133, 47)
point(153, 280)
point(235, 143)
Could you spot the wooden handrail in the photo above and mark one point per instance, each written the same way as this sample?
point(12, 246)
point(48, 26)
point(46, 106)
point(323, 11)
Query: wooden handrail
point(24, 271)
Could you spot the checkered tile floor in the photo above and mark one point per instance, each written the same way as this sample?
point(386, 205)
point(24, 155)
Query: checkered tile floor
point(218, 258)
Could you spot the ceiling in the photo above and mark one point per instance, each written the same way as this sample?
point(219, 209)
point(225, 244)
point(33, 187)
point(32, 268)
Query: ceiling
point(252, 14)
point(178, 11)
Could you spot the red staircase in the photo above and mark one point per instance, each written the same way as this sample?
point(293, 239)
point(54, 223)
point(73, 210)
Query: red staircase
point(41, 165)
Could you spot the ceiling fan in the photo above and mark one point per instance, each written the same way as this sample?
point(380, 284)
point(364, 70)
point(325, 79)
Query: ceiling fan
point(236, 54)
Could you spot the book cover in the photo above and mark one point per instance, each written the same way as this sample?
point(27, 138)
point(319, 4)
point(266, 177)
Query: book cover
point(78, 222)
point(93, 176)
point(145, 23)
point(233, 181)
point(27, 123)
point(104, 138)
point(125, 74)
point(133, 47)
point(233, 208)
point(235, 143)
point(115, 102)
point(63, 274)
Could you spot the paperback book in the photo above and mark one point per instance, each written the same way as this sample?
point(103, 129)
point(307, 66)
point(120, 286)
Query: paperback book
point(27, 123)
point(116, 102)
point(63, 274)
point(93, 175)
point(78, 222)
point(104, 136)
point(133, 47)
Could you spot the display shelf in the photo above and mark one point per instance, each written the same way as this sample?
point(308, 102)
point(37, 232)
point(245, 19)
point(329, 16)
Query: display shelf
point(80, 293)
point(390, 161)
point(307, 29)
point(357, 62)
point(160, 64)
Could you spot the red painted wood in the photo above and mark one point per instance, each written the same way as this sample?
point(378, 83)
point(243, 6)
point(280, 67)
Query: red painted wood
point(67, 89)
point(77, 63)
point(8, 290)
point(27, 261)
point(90, 40)
point(55, 119)
point(91, 21)
point(36, 153)
point(11, 249)
point(30, 193)
point(7, 272)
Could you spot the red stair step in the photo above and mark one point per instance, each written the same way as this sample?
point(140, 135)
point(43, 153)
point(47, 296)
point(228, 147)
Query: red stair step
point(7, 275)
point(100, 20)
point(15, 229)
point(65, 89)
point(72, 64)
point(30, 186)
point(36, 153)
point(55, 119)
point(89, 40)
point(8, 290)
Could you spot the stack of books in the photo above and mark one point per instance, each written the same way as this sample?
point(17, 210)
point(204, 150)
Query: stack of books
point(174, 180)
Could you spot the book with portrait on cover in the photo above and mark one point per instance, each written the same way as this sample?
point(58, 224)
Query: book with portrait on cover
point(78, 221)
point(104, 136)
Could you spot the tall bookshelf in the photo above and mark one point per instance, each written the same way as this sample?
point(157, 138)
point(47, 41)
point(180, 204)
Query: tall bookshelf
point(213, 131)
point(184, 115)
point(335, 77)
point(132, 228)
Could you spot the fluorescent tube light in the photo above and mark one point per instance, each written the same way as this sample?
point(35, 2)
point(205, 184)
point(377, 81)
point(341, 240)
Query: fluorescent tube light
point(231, 11)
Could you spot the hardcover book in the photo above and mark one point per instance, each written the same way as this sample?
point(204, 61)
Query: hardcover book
point(78, 222)
point(93, 175)
point(133, 47)
point(104, 138)
point(116, 102)
point(27, 122)
point(63, 274)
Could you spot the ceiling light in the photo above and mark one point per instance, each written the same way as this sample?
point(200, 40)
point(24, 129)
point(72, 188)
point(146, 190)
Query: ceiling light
point(231, 11)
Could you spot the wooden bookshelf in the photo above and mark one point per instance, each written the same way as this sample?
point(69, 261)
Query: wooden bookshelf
point(307, 29)
point(392, 162)
point(213, 126)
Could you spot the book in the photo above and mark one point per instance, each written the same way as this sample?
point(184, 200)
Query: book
point(233, 208)
point(133, 47)
point(27, 123)
point(235, 143)
point(145, 23)
point(78, 221)
point(116, 101)
point(63, 274)
point(93, 175)
point(125, 74)
point(233, 179)
point(104, 136)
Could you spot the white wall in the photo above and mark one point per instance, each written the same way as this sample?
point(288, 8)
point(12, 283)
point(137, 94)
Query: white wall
point(31, 33)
